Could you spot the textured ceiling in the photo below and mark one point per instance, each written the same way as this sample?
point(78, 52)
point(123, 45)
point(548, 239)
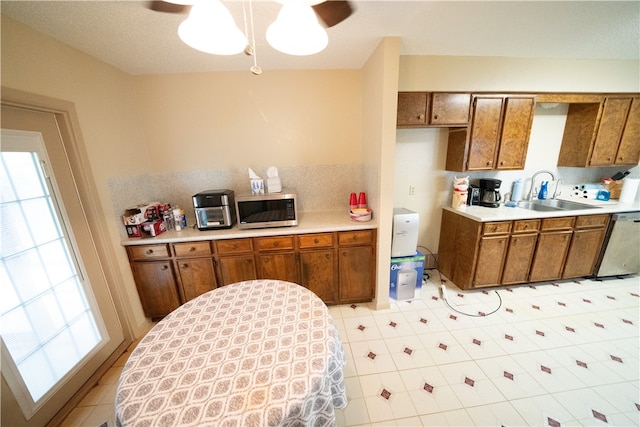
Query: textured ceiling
point(137, 40)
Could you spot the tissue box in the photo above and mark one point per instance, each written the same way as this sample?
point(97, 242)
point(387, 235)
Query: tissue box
point(406, 276)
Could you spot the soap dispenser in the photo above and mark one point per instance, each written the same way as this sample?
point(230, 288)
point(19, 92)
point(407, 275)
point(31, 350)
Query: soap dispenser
point(542, 194)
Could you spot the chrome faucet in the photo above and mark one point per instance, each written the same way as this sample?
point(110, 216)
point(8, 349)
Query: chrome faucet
point(532, 191)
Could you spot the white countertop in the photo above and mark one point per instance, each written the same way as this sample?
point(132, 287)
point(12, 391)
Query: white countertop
point(309, 222)
point(505, 213)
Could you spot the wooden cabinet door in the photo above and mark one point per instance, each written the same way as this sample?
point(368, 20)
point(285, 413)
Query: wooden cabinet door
point(485, 126)
point(412, 109)
point(516, 128)
point(491, 254)
point(519, 256)
point(356, 270)
point(197, 276)
point(237, 268)
point(629, 149)
point(279, 266)
point(612, 121)
point(550, 255)
point(156, 287)
point(318, 273)
point(583, 253)
point(450, 108)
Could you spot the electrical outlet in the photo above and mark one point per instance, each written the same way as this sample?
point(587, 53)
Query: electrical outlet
point(412, 190)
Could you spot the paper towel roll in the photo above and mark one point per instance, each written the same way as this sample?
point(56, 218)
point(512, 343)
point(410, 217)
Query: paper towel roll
point(629, 190)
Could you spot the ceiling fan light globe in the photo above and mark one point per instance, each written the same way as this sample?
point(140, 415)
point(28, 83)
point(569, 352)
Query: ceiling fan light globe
point(296, 31)
point(210, 28)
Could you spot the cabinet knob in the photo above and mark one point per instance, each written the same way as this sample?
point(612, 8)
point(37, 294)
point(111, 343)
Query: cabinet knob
point(316, 241)
point(502, 163)
point(608, 159)
point(489, 163)
point(420, 116)
point(184, 265)
point(164, 267)
point(436, 117)
point(192, 249)
point(149, 251)
point(276, 244)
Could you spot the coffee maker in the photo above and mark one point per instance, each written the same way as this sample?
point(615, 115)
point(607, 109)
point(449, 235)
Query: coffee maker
point(489, 192)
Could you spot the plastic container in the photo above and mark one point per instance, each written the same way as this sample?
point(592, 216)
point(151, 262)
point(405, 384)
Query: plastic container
point(516, 192)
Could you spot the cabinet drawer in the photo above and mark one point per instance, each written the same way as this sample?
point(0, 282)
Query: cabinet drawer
point(233, 246)
point(565, 223)
point(320, 240)
point(148, 251)
point(592, 221)
point(192, 248)
point(526, 226)
point(496, 228)
point(352, 238)
point(274, 243)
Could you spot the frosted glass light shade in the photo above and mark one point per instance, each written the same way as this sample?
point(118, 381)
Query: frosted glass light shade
point(296, 31)
point(210, 28)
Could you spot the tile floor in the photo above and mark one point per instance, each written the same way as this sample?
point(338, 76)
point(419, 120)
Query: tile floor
point(553, 354)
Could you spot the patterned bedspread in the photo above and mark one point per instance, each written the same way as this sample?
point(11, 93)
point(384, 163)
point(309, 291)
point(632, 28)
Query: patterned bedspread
point(255, 353)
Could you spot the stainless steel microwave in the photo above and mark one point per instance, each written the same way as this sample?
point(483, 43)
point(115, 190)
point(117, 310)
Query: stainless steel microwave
point(267, 210)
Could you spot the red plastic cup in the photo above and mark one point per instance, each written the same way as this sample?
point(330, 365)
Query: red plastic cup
point(362, 200)
point(353, 202)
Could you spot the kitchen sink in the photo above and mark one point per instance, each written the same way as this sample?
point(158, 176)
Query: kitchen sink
point(554, 205)
point(535, 206)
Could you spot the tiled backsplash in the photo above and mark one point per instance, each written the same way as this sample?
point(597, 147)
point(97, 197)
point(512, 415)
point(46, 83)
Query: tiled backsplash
point(319, 188)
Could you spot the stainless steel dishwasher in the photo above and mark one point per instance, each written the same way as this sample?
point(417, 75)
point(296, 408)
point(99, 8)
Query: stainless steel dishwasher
point(621, 249)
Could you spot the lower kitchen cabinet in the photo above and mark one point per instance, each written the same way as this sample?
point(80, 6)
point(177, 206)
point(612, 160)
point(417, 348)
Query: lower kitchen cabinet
point(585, 245)
point(318, 273)
point(474, 254)
point(551, 252)
point(196, 276)
point(157, 287)
point(237, 268)
point(356, 268)
point(339, 267)
point(519, 256)
point(492, 249)
point(491, 254)
point(278, 266)
point(236, 261)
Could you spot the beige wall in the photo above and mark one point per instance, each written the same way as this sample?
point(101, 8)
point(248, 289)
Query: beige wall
point(380, 100)
point(237, 119)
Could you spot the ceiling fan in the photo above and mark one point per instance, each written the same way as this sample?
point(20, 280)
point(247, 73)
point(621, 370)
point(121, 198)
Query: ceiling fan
point(330, 12)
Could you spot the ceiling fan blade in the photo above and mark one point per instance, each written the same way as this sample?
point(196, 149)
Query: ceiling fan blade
point(164, 6)
point(333, 12)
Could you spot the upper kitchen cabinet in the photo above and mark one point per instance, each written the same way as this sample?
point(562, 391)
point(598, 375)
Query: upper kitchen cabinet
point(498, 136)
point(602, 134)
point(425, 109)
